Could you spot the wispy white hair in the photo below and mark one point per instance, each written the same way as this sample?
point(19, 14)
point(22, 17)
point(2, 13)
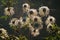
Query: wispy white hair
point(4, 33)
point(49, 27)
point(36, 33)
point(14, 22)
point(26, 8)
point(11, 12)
point(50, 19)
point(39, 20)
point(42, 13)
point(26, 22)
point(33, 12)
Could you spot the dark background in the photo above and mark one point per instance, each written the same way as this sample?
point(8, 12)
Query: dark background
point(54, 5)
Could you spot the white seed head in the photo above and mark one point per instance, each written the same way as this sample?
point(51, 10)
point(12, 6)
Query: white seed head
point(32, 12)
point(44, 11)
point(58, 32)
point(49, 27)
point(4, 33)
point(50, 19)
point(25, 7)
point(24, 21)
point(9, 11)
point(36, 19)
point(30, 27)
point(14, 22)
point(36, 33)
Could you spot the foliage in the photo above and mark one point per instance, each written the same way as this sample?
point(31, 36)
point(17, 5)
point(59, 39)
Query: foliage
point(8, 2)
point(12, 37)
point(4, 17)
point(54, 35)
point(21, 37)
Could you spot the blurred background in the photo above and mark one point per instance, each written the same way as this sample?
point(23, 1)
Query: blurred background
point(54, 6)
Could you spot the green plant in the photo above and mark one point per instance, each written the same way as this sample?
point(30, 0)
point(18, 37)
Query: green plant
point(8, 2)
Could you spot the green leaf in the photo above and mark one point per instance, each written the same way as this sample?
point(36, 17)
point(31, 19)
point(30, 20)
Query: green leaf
point(4, 17)
point(21, 37)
